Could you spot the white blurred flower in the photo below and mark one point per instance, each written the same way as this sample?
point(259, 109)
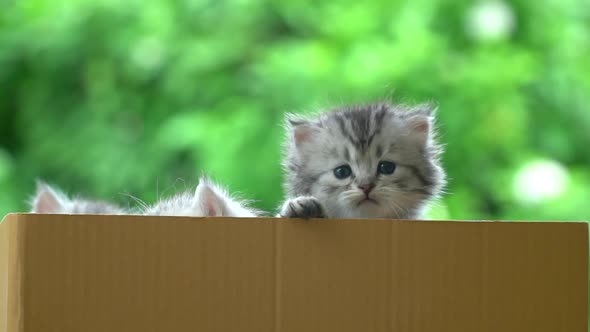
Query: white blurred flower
point(490, 20)
point(148, 53)
point(540, 181)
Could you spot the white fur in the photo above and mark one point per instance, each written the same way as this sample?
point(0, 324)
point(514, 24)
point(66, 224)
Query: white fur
point(49, 200)
point(208, 199)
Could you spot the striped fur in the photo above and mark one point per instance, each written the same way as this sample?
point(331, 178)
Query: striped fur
point(362, 136)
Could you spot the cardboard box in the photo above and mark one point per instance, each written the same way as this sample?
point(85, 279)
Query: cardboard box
point(68, 273)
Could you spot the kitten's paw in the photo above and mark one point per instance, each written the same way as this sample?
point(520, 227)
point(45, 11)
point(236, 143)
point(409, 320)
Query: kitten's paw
point(305, 207)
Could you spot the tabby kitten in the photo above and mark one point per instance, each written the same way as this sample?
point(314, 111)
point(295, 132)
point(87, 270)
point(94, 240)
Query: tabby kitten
point(367, 161)
point(48, 200)
point(208, 200)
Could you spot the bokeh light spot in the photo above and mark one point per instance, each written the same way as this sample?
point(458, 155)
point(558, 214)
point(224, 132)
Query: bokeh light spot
point(540, 181)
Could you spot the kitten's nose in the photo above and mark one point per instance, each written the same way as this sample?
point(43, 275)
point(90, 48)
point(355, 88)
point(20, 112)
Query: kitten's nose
point(367, 187)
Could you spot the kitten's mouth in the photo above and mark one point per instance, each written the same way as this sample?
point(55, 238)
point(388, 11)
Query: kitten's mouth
point(367, 200)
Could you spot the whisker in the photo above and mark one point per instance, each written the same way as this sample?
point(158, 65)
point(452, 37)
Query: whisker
point(142, 205)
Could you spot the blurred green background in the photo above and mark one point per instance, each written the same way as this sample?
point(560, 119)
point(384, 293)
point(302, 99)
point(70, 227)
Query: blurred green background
point(109, 98)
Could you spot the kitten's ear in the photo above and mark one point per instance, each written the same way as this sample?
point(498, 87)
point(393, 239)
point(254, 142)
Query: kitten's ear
point(421, 121)
point(211, 203)
point(301, 130)
point(47, 199)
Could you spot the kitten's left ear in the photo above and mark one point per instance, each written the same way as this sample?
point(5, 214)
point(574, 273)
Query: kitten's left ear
point(421, 121)
point(47, 200)
point(212, 204)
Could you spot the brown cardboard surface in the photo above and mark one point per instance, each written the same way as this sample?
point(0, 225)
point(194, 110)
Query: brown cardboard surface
point(129, 273)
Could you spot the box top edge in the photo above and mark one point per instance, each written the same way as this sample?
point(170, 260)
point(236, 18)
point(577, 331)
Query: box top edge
point(13, 215)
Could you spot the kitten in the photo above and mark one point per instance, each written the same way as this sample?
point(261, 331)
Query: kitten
point(48, 200)
point(368, 161)
point(208, 200)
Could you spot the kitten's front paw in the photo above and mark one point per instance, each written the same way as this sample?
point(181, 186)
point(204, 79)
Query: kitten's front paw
point(305, 207)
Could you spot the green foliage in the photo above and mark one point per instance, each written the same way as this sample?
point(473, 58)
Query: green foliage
point(111, 97)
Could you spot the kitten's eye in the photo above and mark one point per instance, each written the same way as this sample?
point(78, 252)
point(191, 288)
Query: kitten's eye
point(342, 172)
point(386, 167)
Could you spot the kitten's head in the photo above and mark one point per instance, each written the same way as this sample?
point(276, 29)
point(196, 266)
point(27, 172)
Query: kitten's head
point(370, 161)
point(48, 200)
point(208, 200)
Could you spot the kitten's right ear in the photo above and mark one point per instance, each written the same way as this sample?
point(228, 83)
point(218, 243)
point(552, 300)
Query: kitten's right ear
point(301, 130)
point(47, 200)
point(211, 203)
point(421, 121)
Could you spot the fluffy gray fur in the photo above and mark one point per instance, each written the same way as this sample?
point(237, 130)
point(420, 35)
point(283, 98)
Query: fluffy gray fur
point(49, 200)
point(209, 199)
point(362, 136)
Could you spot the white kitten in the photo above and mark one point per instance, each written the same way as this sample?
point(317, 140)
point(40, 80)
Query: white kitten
point(49, 200)
point(208, 200)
